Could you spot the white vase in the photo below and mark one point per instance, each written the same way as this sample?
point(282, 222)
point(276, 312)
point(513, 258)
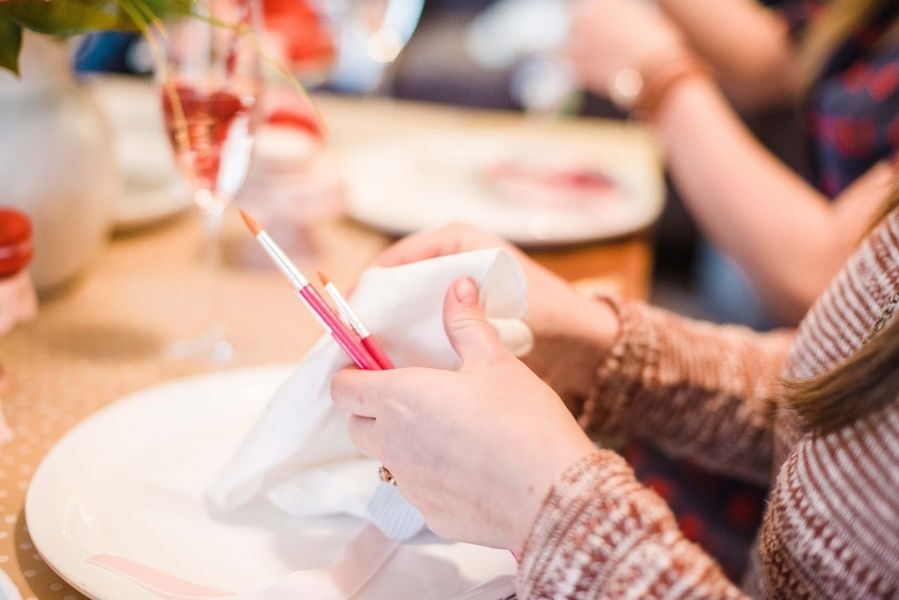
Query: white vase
point(56, 161)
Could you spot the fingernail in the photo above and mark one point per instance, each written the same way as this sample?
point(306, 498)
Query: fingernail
point(466, 291)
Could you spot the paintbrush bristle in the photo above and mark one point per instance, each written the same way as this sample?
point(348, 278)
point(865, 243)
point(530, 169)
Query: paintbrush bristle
point(323, 278)
point(252, 225)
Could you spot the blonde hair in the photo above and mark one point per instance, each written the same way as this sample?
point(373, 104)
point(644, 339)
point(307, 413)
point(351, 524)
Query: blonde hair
point(864, 383)
point(841, 19)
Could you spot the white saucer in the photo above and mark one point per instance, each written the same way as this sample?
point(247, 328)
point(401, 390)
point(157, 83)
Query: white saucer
point(128, 481)
point(406, 183)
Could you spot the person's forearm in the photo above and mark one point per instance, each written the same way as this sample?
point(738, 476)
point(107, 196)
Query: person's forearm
point(779, 229)
point(746, 44)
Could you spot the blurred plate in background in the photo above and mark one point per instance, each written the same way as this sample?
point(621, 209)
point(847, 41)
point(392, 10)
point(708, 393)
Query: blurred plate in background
point(530, 186)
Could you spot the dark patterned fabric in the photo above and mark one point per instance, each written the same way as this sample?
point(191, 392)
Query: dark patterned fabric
point(719, 513)
point(852, 110)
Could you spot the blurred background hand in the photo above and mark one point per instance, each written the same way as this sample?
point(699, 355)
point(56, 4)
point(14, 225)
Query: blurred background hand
point(610, 35)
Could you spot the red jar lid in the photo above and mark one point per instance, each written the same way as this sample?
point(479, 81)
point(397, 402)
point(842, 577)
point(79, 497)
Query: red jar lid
point(16, 245)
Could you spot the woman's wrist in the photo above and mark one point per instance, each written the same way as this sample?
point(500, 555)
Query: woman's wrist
point(544, 524)
point(693, 99)
point(643, 91)
point(543, 475)
point(571, 343)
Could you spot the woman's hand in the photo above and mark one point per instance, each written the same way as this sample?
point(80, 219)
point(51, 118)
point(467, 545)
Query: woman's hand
point(571, 332)
point(475, 450)
point(610, 35)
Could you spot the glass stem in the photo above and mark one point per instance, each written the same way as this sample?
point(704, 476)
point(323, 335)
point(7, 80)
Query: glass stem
point(212, 229)
point(211, 345)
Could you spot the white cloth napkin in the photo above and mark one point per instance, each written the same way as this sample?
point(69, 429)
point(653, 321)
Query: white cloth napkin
point(8, 590)
point(298, 455)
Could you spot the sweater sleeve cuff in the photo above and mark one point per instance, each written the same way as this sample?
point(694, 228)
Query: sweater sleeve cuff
point(578, 535)
point(627, 362)
point(599, 532)
point(561, 521)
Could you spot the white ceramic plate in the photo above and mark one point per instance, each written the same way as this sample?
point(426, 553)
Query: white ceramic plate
point(128, 481)
point(407, 183)
point(142, 207)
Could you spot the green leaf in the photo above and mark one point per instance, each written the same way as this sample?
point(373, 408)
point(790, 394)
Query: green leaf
point(75, 17)
point(10, 44)
point(170, 7)
point(143, 12)
point(65, 17)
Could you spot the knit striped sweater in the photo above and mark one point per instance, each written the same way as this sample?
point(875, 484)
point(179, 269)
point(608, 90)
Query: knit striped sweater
point(709, 393)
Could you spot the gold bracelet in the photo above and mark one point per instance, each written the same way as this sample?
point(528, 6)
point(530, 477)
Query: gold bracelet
point(664, 79)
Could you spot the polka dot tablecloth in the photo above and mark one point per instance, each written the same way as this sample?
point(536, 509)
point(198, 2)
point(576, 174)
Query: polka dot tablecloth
point(104, 335)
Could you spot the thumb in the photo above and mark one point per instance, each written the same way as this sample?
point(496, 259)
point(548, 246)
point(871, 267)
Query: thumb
point(468, 330)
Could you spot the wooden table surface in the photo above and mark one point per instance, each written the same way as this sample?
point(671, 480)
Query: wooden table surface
point(104, 335)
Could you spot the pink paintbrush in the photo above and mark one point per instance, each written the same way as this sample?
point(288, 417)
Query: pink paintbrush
point(344, 337)
point(353, 320)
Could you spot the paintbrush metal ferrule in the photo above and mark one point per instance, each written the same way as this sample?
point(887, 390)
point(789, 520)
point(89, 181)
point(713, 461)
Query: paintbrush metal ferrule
point(281, 260)
point(368, 341)
point(346, 311)
point(293, 275)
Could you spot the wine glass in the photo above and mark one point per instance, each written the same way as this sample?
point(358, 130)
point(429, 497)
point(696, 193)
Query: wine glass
point(210, 85)
point(348, 44)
